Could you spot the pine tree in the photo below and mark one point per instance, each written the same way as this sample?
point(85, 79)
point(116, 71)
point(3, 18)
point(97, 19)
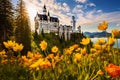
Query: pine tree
point(23, 31)
point(6, 20)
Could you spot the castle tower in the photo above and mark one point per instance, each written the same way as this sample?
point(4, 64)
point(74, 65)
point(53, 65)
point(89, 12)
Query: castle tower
point(44, 10)
point(48, 16)
point(73, 23)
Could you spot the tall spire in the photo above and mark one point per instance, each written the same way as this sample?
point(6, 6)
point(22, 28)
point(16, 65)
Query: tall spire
point(48, 16)
point(48, 13)
point(44, 9)
point(73, 23)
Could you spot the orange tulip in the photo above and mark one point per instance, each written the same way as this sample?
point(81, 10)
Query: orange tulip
point(113, 70)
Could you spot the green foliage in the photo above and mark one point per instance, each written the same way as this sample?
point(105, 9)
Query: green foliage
point(50, 38)
point(6, 20)
point(55, 40)
point(14, 71)
point(34, 47)
point(23, 31)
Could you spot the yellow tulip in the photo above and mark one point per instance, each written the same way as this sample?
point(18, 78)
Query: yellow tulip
point(24, 58)
point(111, 41)
point(101, 41)
point(37, 63)
point(83, 51)
point(115, 33)
point(71, 48)
point(92, 50)
point(54, 49)
point(103, 26)
point(104, 47)
point(57, 58)
point(17, 47)
point(85, 41)
point(78, 49)
point(100, 72)
point(75, 46)
point(13, 45)
point(77, 57)
point(45, 64)
point(97, 46)
point(2, 52)
point(30, 54)
point(67, 51)
point(43, 45)
point(9, 44)
point(50, 56)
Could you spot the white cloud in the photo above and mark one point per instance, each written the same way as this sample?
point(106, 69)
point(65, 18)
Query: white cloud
point(99, 11)
point(91, 4)
point(78, 9)
point(69, 14)
point(66, 7)
point(94, 16)
point(87, 5)
point(117, 24)
point(81, 1)
point(90, 21)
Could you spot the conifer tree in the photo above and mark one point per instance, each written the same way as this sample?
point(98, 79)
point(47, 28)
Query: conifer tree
point(23, 31)
point(6, 20)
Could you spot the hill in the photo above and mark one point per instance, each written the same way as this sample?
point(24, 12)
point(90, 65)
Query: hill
point(97, 34)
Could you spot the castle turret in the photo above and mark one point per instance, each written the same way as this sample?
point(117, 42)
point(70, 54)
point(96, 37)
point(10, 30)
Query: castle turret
point(48, 16)
point(73, 23)
point(44, 10)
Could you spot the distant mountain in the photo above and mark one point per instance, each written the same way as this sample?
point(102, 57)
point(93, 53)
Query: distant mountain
point(97, 34)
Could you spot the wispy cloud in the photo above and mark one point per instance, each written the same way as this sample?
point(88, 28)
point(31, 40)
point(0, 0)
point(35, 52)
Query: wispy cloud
point(81, 1)
point(91, 4)
point(91, 19)
point(99, 11)
point(78, 9)
point(117, 24)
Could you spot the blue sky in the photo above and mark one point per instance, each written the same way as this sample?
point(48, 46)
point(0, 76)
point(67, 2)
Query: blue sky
point(88, 13)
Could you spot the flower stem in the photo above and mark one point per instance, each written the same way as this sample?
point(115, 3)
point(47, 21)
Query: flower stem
point(94, 77)
point(117, 43)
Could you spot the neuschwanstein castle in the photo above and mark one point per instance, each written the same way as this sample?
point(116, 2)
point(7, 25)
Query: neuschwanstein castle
point(45, 22)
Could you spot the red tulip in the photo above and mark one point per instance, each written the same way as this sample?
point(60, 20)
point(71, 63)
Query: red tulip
point(113, 70)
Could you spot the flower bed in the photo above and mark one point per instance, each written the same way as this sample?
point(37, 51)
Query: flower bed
point(97, 62)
